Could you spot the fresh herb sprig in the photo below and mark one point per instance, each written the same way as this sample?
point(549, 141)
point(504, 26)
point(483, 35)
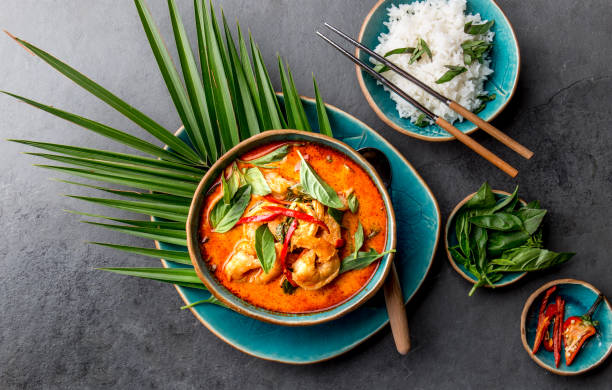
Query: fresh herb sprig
point(359, 259)
point(495, 237)
point(416, 54)
point(478, 29)
point(451, 73)
point(474, 50)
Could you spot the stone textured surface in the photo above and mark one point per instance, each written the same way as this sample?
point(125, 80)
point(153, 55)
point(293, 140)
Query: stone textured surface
point(63, 325)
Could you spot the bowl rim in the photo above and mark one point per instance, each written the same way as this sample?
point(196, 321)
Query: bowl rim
point(192, 227)
point(448, 254)
point(402, 130)
point(525, 311)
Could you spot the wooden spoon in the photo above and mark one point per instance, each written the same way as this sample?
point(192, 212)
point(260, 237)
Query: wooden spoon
point(392, 288)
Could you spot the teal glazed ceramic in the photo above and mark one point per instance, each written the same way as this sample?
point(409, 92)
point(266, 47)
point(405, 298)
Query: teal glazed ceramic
point(578, 296)
point(450, 240)
point(505, 61)
point(418, 227)
point(245, 308)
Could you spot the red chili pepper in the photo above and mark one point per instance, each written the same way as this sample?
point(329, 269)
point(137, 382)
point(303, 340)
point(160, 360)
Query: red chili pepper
point(550, 313)
point(258, 218)
point(339, 243)
point(249, 156)
point(272, 199)
point(577, 330)
point(543, 320)
point(548, 342)
point(557, 330)
point(297, 215)
point(283, 254)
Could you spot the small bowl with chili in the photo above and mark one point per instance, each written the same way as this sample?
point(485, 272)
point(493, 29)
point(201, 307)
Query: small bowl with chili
point(566, 328)
point(291, 228)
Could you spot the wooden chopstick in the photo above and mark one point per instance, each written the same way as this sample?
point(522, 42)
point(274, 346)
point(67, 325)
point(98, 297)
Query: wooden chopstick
point(459, 109)
point(464, 138)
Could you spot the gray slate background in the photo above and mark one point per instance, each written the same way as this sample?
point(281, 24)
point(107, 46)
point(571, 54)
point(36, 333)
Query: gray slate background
point(64, 325)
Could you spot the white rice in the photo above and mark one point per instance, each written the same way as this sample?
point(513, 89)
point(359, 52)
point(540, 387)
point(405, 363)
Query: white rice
point(440, 24)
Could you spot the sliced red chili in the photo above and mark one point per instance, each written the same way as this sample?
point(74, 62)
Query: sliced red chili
point(283, 254)
point(557, 330)
point(272, 199)
point(297, 215)
point(258, 218)
point(543, 320)
point(249, 156)
point(577, 330)
point(339, 243)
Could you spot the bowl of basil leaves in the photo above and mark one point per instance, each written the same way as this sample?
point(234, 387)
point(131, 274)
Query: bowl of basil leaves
point(493, 238)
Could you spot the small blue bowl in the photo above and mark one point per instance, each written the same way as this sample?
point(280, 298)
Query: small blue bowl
point(450, 240)
point(578, 296)
point(505, 61)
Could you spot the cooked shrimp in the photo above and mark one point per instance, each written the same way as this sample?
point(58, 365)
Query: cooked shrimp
point(243, 264)
point(306, 229)
point(334, 234)
point(278, 184)
point(317, 266)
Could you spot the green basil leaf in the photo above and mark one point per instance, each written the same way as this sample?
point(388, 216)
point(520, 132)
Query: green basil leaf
point(477, 29)
point(422, 121)
point(478, 248)
point(458, 256)
point(506, 201)
point(462, 229)
point(227, 195)
point(475, 50)
point(287, 287)
point(234, 211)
point(264, 247)
point(480, 108)
point(487, 98)
point(484, 198)
point(498, 221)
point(274, 156)
point(256, 180)
point(381, 68)
point(451, 73)
point(533, 205)
point(217, 212)
point(531, 218)
point(501, 241)
point(313, 185)
point(424, 46)
point(353, 203)
point(529, 259)
point(358, 240)
point(362, 260)
point(336, 214)
point(401, 50)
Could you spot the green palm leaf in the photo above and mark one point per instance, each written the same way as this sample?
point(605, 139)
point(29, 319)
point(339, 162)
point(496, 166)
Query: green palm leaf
point(162, 210)
point(104, 155)
point(146, 197)
point(158, 185)
point(136, 222)
point(171, 78)
point(181, 276)
point(194, 85)
point(102, 129)
point(169, 236)
point(324, 126)
point(176, 256)
point(97, 90)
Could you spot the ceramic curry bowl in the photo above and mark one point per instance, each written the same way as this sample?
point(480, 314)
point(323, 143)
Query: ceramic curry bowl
point(221, 292)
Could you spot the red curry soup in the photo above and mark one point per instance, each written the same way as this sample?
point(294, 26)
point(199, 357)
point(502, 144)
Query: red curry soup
point(293, 228)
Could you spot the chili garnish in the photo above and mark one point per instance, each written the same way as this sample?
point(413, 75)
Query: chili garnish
point(257, 218)
point(272, 199)
point(283, 254)
point(576, 331)
point(297, 215)
point(557, 330)
point(543, 320)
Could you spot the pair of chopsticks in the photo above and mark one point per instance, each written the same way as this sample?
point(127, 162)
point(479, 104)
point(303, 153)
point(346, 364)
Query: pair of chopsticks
point(464, 138)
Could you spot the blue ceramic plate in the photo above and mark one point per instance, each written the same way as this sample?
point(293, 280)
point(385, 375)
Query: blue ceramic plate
point(505, 61)
point(418, 228)
point(578, 296)
point(450, 240)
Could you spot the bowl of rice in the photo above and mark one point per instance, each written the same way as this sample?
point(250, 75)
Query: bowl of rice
point(465, 49)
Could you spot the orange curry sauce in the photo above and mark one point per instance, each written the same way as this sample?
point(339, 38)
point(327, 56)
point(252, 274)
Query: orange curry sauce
point(340, 173)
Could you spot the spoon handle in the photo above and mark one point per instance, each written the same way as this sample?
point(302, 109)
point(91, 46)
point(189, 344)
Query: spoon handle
point(397, 312)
